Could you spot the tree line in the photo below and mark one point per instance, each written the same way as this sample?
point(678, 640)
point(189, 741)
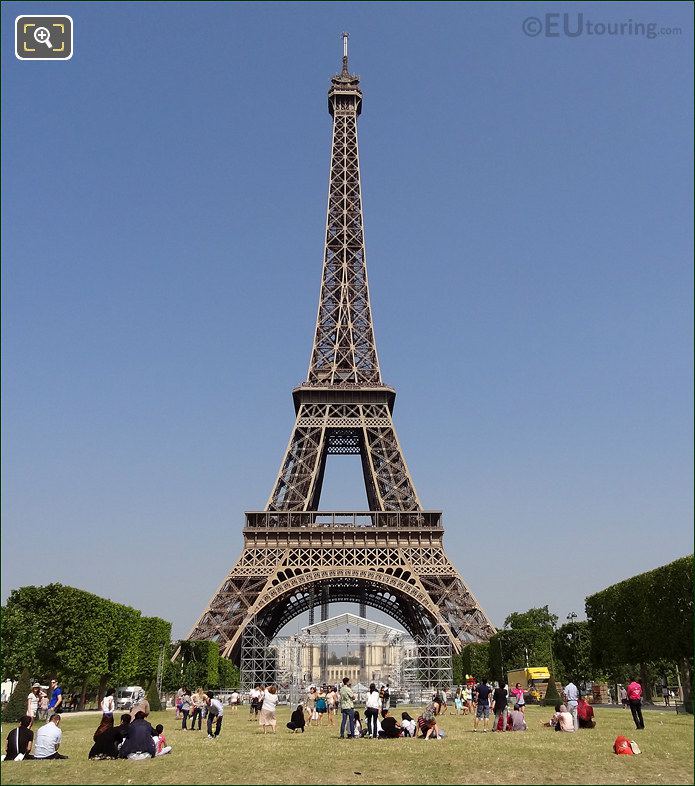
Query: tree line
point(641, 626)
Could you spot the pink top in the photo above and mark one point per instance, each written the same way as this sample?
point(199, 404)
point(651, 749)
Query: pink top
point(634, 691)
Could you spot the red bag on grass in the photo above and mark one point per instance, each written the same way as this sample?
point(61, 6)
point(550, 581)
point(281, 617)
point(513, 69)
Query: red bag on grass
point(622, 746)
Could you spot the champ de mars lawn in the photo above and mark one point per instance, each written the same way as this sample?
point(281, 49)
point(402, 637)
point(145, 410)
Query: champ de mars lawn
point(244, 755)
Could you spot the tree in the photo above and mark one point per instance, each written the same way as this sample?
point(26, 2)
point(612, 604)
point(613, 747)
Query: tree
point(514, 649)
point(643, 619)
point(17, 705)
point(154, 635)
point(572, 652)
point(153, 697)
point(533, 619)
point(475, 660)
point(552, 697)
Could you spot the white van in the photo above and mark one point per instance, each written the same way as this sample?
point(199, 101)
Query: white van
point(125, 696)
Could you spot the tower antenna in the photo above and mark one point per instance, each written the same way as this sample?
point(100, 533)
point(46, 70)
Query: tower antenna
point(345, 52)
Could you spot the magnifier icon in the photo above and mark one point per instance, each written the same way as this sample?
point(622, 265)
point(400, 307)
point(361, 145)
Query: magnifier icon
point(42, 36)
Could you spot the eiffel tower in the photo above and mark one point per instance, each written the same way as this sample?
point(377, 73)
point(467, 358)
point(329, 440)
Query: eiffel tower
point(297, 558)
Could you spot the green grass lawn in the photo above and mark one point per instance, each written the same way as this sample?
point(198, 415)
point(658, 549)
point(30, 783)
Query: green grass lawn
point(244, 755)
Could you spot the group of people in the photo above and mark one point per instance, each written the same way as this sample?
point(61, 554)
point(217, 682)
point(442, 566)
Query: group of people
point(199, 705)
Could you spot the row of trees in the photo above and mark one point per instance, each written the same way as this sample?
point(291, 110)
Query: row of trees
point(86, 641)
point(642, 626)
point(198, 664)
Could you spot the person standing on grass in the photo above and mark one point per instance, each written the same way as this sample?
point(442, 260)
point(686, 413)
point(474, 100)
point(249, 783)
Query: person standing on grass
point(197, 703)
point(33, 700)
point(482, 693)
point(186, 704)
point(56, 700)
point(331, 703)
point(215, 713)
point(571, 693)
point(177, 703)
point(519, 698)
point(108, 705)
point(371, 711)
point(499, 707)
point(347, 708)
point(634, 697)
point(267, 715)
point(623, 697)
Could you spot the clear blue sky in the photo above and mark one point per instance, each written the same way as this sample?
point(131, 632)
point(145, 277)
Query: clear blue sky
point(528, 209)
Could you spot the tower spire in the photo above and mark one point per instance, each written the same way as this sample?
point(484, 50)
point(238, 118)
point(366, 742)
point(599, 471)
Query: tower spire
point(345, 71)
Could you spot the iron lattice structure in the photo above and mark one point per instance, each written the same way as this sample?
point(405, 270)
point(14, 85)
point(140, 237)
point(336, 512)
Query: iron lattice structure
point(296, 558)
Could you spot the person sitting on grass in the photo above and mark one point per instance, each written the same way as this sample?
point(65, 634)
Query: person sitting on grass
point(390, 728)
point(106, 739)
point(359, 731)
point(427, 722)
point(20, 740)
point(160, 742)
point(516, 721)
point(139, 743)
point(585, 714)
point(408, 725)
point(48, 739)
point(297, 721)
point(562, 719)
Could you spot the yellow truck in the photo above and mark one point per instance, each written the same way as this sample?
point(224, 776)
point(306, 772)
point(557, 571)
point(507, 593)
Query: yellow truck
point(534, 679)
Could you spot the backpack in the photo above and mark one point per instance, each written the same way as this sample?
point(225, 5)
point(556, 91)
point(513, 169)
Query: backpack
point(622, 746)
point(320, 704)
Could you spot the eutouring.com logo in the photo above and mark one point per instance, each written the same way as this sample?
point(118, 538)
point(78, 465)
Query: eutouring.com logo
point(555, 25)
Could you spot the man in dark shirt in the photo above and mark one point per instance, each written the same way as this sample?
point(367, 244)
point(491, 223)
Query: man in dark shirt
point(482, 697)
point(499, 707)
point(389, 726)
point(139, 743)
point(19, 740)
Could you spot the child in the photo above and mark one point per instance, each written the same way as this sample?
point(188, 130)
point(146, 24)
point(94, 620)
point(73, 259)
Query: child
point(160, 743)
point(358, 724)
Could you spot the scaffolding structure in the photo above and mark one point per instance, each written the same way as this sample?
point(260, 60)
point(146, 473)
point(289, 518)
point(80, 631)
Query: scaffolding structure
point(258, 659)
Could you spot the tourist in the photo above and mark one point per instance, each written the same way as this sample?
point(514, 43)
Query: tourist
point(215, 713)
point(108, 705)
point(427, 722)
point(571, 694)
point(458, 700)
point(623, 697)
point(468, 699)
point(186, 704)
point(634, 697)
point(665, 693)
point(140, 704)
point(359, 731)
point(562, 720)
point(124, 725)
point(445, 698)
point(499, 707)
point(267, 714)
point(297, 721)
point(347, 708)
point(408, 725)
point(482, 702)
point(197, 704)
point(33, 700)
point(519, 697)
point(20, 740)
point(139, 743)
point(234, 700)
point(43, 705)
point(320, 705)
point(56, 699)
point(48, 740)
point(390, 728)
point(332, 703)
point(160, 741)
point(106, 738)
point(585, 714)
point(371, 710)
point(516, 721)
point(385, 698)
point(255, 701)
point(177, 703)
point(310, 705)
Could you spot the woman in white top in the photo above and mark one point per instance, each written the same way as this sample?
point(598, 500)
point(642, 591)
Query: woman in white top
point(108, 705)
point(371, 711)
point(267, 715)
